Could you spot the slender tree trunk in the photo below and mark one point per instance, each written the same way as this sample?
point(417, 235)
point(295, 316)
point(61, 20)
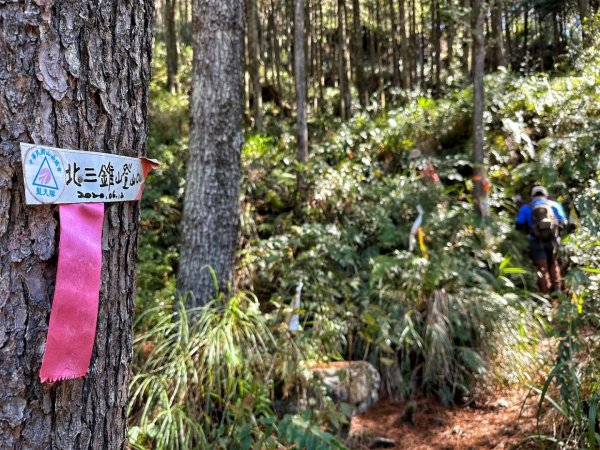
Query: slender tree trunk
point(478, 99)
point(289, 11)
point(158, 15)
point(509, 40)
point(320, 61)
point(422, 48)
point(451, 36)
point(556, 42)
point(497, 34)
point(414, 43)
point(437, 43)
point(254, 63)
point(394, 39)
point(308, 49)
point(313, 61)
point(300, 74)
point(526, 37)
point(466, 68)
point(269, 59)
point(277, 51)
point(345, 98)
point(73, 75)
point(210, 223)
point(584, 9)
point(357, 34)
point(404, 45)
point(584, 12)
point(171, 45)
point(380, 54)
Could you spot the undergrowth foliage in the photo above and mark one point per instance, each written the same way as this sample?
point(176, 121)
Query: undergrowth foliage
point(205, 380)
point(434, 320)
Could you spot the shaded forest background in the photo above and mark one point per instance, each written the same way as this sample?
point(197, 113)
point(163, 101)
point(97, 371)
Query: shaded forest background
point(389, 113)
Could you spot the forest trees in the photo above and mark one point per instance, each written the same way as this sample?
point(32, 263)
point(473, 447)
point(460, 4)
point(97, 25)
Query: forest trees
point(388, 45)
point(73, 75)
point(211, 203)
point(392, 44)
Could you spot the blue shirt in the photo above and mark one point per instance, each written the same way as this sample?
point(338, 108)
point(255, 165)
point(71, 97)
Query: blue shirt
point(525, 215)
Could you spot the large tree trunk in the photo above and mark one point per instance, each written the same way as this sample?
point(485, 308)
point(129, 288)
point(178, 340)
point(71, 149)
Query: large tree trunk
point(478, 99)
point(210, 214)
point(72, 75)
point(171, 45)
point(254, 66)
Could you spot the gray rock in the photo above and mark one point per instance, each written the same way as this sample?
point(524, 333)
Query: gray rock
point(356, 383)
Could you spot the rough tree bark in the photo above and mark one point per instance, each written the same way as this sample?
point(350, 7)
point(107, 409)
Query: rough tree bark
point(210, 214)
point(478, 99)
point(171, 45)
point(73, 74)
point(254, 59)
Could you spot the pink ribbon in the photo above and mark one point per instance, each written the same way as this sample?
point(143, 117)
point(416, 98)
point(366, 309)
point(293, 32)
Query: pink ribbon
point(74, 313)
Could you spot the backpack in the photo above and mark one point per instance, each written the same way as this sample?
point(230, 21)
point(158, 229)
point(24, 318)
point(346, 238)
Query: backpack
point(545, 224)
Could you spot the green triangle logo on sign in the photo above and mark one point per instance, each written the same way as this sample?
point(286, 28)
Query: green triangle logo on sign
point(45, 177)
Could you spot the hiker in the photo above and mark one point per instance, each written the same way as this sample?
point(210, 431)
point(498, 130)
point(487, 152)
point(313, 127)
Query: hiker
point(543, 219)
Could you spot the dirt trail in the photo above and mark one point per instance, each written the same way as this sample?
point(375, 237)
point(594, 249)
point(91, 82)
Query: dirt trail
point(490, 422)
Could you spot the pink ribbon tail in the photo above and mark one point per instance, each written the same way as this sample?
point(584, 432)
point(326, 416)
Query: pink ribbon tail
point(72, 329)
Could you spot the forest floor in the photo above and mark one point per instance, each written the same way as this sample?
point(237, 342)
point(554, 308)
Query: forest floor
point(498, 419)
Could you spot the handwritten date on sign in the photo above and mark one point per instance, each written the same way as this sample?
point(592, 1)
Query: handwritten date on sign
point(55, 175)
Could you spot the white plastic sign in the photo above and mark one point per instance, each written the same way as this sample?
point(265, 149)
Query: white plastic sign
point(54, 175)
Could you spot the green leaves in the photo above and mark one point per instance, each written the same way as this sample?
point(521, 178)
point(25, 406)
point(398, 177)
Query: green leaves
point(303, 434)
point(196, 372)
